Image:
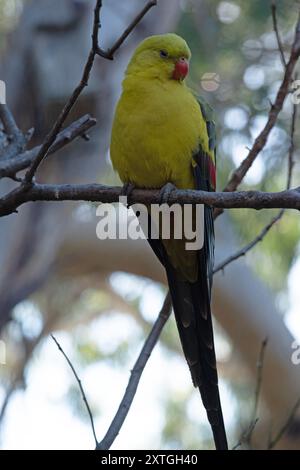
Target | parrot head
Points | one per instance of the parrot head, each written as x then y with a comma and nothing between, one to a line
164,56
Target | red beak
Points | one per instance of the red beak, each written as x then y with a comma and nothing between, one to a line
181,69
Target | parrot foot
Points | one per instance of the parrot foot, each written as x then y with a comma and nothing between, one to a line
126,191
165,192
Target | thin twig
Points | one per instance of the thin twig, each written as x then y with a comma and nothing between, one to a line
285,427
259,377
275,27
15,136
247,435
135,376
8,394
244,434
243,251
8,121
291,148
109,54
80,386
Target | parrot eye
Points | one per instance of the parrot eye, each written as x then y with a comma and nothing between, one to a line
163,54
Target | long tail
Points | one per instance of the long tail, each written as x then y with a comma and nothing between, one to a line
191,304
194,323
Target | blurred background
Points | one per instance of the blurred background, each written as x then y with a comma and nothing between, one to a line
100,298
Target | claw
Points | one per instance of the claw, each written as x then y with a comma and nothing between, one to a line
165,192
126,191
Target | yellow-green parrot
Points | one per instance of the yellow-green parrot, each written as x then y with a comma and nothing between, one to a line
163,134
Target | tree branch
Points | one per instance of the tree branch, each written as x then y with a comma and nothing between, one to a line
247,435
288,199
9,167
15,136
285,427
135,376
80,386
244,434
275,27
109,54
259,377
243,251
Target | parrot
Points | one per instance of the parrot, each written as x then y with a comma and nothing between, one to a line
163,137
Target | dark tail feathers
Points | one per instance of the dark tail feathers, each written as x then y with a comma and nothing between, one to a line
191,303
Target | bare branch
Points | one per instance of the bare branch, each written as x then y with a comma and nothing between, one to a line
292,148
133,383
109,54
247,435
259,376
8,394
80,386
243,251
288,199
135,376
285,427
275,27
244,434
8,121
8,168
15,136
